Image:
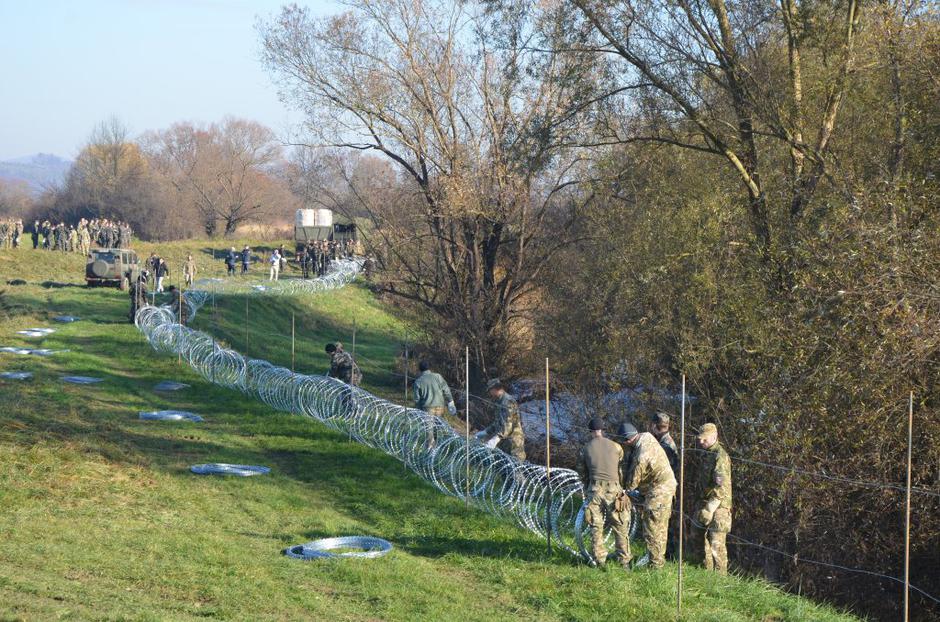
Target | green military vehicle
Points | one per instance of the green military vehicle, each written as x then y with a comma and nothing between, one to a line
112,267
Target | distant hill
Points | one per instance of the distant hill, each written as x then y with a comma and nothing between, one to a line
38,171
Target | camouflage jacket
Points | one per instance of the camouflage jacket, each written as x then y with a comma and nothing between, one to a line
507,423
343,367
649,470
431,391
715,477
672,452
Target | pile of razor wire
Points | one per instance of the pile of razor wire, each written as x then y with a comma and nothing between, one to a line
465,468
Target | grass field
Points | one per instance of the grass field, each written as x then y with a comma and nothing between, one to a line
101,519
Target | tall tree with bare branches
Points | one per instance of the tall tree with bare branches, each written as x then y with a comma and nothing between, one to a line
483,140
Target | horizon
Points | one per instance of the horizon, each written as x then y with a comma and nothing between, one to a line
78,65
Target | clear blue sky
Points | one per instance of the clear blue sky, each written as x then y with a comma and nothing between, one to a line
66,65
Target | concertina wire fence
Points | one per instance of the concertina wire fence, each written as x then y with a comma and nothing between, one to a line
489,479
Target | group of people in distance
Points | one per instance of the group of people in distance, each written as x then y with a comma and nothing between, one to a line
276,260
67,238
157,269
314,257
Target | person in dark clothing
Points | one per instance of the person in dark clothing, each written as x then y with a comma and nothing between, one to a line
138,293
230,260
324,260
246,259
304,266
35,235
152,262
162,272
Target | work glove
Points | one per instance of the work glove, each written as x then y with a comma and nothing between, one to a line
452,408
706,514
493,442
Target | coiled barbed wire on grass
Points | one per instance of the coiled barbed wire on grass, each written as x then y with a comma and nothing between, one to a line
487,478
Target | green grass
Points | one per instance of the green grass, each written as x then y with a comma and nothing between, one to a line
101,519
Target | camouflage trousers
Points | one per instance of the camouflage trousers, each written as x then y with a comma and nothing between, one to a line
437,411
655,518
713,538
514,447
599,511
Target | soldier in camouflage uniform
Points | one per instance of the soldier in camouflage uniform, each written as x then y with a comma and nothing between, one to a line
713,519
599,467
506,430
189,270
17,233
84,241
659,427
649,473
342,365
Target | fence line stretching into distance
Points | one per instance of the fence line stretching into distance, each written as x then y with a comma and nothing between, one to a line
497,483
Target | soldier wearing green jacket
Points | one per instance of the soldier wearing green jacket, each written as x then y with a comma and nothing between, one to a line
506,430
432,395
650,473
713,519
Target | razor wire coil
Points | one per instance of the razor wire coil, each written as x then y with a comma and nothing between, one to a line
489,479
494,482
369,548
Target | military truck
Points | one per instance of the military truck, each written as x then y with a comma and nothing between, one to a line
112,267
321,225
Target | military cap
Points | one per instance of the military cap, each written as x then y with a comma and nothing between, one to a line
627,430
596,423
661,419
707,430
495,383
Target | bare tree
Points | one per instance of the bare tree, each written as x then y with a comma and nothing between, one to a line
222,170
109,179
480,137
